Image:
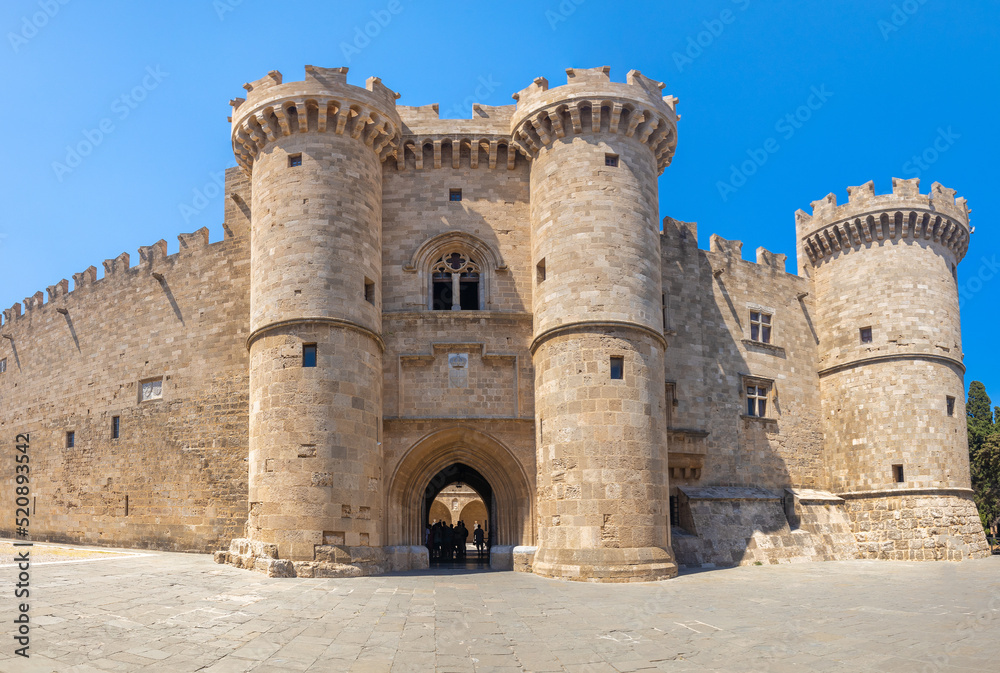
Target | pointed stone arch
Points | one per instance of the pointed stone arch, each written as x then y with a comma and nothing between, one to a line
488,258
513,490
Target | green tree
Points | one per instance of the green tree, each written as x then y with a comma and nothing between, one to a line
984,453
986,480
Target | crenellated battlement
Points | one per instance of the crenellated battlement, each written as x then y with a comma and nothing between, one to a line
428,141
590,102
323,103
868,217
151,258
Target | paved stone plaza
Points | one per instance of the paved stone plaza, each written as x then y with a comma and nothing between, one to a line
182,612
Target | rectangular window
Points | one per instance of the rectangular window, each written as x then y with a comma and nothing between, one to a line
308,355
468,291
442,292
540,271
369,291
951,405
70,439
115,426
617,367
294,160
760,327
151,390
611,160
455,195
757,400
3,365
675,518
897,473
866,335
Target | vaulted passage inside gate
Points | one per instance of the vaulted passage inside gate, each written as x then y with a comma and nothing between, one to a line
451,540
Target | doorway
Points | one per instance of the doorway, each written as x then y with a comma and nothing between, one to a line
451,541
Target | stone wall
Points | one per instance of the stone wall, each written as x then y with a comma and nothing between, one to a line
176,477
915,526
708,296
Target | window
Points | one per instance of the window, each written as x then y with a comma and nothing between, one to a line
951,405
760,327
897,473
294,160
70,439
115,427
611,160
308,355
540,271
757,400
675,517
617,367
455,195
866,335
151,390
455,283
3,365
369,291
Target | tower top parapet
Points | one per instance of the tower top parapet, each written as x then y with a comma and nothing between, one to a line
590,102
867,216
322,102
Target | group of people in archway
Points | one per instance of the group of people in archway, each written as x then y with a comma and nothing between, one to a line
448,542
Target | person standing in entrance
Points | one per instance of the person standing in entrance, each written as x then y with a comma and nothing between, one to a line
461,539
478,538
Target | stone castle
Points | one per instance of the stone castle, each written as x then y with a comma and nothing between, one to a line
402,303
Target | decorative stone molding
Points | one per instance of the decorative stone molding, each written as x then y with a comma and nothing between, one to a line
323,103
591,103
906,214
483,150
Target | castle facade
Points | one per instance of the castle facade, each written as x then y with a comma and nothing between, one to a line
403,302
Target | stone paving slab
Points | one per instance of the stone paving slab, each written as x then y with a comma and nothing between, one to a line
182,612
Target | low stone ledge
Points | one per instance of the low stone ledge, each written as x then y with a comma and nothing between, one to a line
523,558
502,557
406,557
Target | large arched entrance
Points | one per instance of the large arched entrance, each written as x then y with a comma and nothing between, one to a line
474,457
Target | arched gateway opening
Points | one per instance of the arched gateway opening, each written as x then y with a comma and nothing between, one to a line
450,545
460,454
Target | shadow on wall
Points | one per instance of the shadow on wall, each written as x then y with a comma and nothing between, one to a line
745,450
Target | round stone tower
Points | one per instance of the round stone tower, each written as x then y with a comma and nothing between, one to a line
314,152
884,270
597,148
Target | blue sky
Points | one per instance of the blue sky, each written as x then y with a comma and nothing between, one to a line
148,85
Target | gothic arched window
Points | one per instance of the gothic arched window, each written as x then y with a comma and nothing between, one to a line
455,283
